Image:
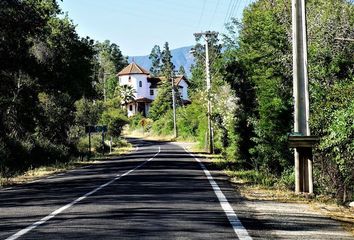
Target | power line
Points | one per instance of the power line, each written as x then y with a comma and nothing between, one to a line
213,16
236,9
201,14
231,10
227,12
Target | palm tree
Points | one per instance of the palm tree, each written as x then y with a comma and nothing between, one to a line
125,93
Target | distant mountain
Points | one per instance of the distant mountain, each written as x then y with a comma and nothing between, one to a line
180,57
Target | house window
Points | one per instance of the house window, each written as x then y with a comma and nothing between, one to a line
140,83
129,79
151,92
130,107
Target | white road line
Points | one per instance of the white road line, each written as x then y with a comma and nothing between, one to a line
239,229
56,212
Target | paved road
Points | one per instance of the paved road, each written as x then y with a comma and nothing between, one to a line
157,192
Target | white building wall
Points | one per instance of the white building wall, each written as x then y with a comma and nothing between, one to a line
155,93
140,92
133,111
184,93
143,91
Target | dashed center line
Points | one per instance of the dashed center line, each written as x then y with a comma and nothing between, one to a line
56,212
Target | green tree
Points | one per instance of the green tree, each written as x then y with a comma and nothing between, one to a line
115,119
197,80
45,68
163,101
181,71
258,63
109,60
260,53
155,57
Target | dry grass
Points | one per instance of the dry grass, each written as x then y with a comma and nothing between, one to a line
147,136
323,204
44,171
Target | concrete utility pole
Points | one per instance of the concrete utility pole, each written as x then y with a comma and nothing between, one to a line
206,35
174,108
303,142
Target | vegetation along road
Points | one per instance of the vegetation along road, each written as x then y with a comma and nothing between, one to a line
159,191
265,87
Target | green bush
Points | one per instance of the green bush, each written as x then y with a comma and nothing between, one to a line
164,125
255,177
115,120
134,121
287,179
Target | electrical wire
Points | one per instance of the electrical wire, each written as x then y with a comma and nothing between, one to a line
201,14
213,16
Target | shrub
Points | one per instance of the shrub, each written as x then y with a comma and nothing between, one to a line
115,119
287,179
134,121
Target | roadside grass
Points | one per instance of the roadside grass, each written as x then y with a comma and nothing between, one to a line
254,185
149,135
60,167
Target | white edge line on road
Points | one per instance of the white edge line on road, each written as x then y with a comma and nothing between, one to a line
59,210
239,229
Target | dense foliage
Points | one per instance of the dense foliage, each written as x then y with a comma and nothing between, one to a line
252,94
258,64
45,69
163,101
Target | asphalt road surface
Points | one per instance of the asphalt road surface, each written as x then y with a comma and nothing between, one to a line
159,191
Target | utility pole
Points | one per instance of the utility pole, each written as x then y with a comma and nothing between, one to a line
174,107
206,35
301,140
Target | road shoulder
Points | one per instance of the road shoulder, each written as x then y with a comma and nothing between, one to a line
267,218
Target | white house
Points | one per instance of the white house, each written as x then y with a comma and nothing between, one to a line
146,88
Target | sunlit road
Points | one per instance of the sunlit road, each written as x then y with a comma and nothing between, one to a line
159,191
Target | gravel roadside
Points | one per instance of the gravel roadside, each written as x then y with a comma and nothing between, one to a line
271,219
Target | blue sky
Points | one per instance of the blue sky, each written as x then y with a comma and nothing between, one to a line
137,25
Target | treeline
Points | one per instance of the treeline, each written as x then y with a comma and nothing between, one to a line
51,85
252,94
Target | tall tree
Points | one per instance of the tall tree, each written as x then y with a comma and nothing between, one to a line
155,57
163,101
258,66
181,71
198,68
167,68
44,68
109,61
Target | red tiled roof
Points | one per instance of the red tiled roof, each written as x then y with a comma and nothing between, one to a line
133,68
